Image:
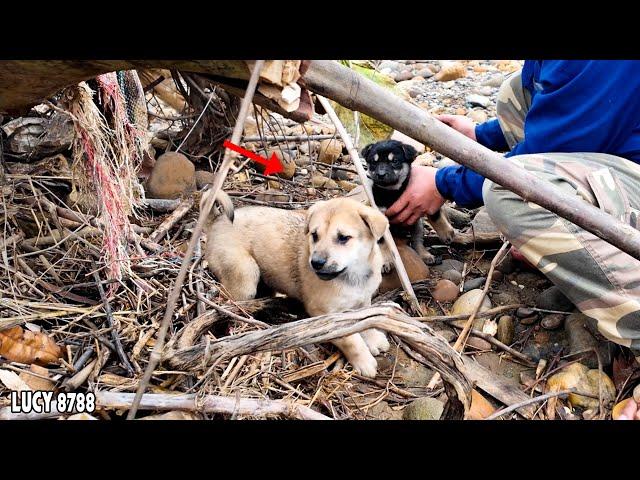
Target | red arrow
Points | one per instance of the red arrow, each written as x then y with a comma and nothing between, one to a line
273,165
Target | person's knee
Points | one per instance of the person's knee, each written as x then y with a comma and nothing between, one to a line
498,201
507,93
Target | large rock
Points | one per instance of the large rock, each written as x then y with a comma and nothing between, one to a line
172,176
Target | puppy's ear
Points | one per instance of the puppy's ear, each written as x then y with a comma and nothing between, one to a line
310,212
375,220
365,151
409,152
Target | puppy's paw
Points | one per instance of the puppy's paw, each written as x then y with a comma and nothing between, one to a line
447,235
376,341
364,364
387,267
430,259
433,260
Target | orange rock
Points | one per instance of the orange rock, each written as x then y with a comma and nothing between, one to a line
481,408
416,269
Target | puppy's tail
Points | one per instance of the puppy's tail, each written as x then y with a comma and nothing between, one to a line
223,202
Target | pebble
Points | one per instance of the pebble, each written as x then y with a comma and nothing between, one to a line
552,321
584,380
425,408
529,320
330,150
478,100
449,264
485,90
478,116
506,329
524,312
320,181
479,343
425,73
448,335
451,71
445,291
474,283
553,299
466,304
452,275
494,81
302,161
404,75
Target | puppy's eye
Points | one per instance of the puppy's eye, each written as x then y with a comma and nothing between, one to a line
314,236
343,238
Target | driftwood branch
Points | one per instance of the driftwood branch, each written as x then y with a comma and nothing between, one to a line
210,403
389,317
348,88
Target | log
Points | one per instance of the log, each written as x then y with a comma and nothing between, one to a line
26,83
210,403
353,91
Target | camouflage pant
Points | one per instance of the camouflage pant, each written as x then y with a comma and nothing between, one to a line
602,281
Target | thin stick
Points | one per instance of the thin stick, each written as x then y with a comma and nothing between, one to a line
494,341
287,138
210,403
539,399
172,219
227,161
486,313
224,311
355,157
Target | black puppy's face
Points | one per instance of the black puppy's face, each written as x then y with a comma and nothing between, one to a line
389,162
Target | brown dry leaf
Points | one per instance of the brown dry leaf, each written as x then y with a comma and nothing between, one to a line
18,345
481,408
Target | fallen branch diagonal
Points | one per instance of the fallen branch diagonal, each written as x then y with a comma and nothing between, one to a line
386,316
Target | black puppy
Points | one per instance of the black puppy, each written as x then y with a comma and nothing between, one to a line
389,165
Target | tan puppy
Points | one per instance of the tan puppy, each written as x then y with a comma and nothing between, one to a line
328,257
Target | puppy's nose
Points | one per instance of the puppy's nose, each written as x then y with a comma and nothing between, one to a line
318,262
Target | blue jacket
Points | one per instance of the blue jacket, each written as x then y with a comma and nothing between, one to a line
576,106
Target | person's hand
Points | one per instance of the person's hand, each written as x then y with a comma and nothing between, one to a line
462,124
419,198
